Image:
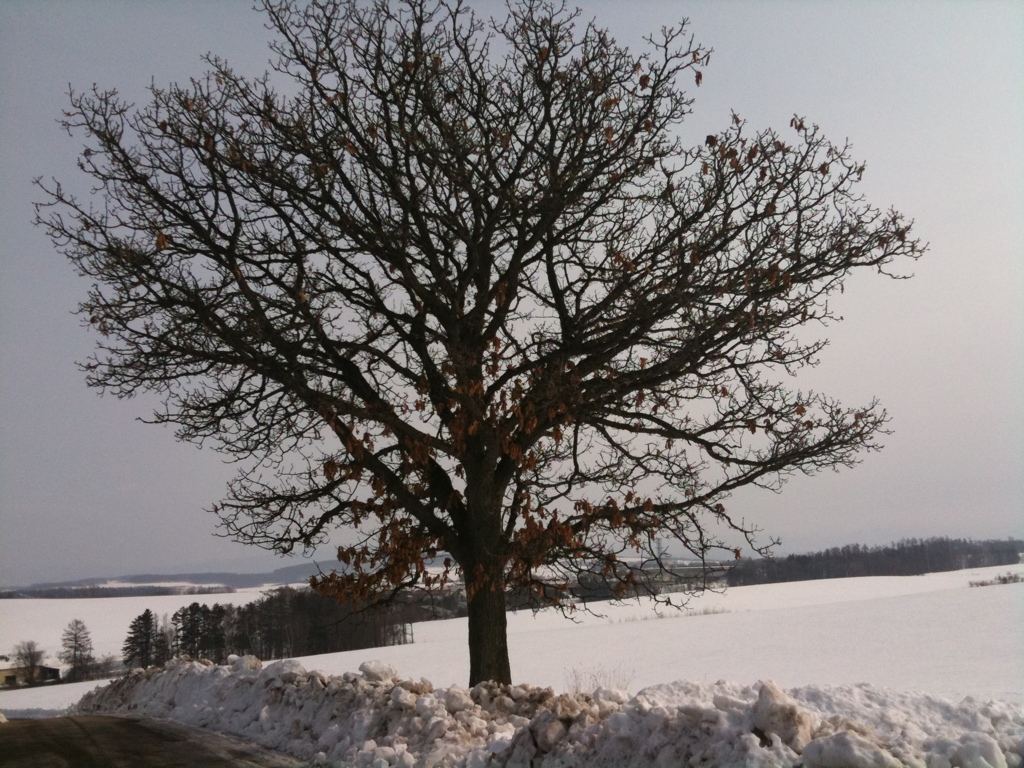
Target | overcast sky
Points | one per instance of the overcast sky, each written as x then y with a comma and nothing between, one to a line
931,95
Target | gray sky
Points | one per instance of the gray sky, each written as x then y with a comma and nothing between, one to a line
931,94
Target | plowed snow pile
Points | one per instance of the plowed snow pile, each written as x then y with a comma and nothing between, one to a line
375,719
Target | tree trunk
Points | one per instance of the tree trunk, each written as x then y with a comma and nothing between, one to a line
488,636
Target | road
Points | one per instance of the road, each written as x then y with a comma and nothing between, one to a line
115,742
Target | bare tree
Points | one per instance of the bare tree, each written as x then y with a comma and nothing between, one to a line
77,652
29,656
461,287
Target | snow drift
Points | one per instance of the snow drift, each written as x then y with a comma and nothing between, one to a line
375,719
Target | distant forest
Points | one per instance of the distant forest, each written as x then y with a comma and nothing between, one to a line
909,557
283,623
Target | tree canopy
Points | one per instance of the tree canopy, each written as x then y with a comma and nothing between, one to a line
461,286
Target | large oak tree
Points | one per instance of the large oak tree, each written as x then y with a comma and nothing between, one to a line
460,287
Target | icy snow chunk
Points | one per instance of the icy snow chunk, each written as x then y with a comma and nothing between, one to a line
847,750
457,699
378,672
499,744
729,703
612,695
475,726
402,698
566,706
518,692
286,671
427,706
243,663
503,704
436,728
974,750
331,736
266,719
776,713
620,724
548,730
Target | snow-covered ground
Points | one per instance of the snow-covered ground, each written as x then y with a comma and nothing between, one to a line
848,652
46,700
929,633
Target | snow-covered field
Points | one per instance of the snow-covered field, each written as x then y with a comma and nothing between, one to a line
869,671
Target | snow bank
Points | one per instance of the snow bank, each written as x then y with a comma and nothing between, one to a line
375,719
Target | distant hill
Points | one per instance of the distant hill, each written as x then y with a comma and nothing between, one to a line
150,583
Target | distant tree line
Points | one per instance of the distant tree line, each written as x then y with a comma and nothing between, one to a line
96,590
908,557
283,623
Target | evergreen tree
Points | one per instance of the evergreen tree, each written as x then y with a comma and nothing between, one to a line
139,645
190,628
164,640
214,641
76,651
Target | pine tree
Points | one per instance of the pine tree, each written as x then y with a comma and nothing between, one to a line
163,641
190,626
139,645
76,651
